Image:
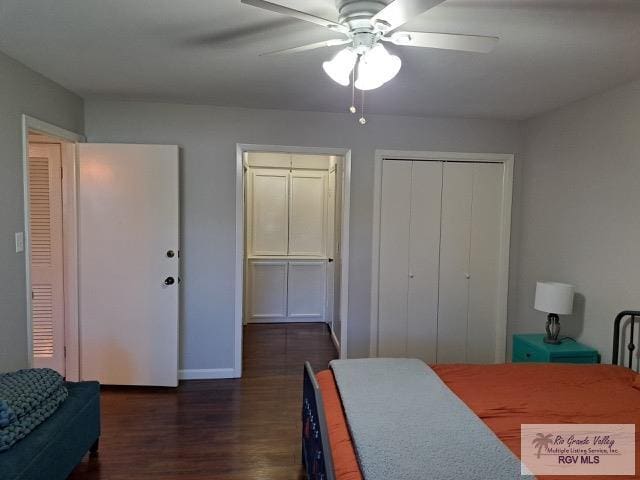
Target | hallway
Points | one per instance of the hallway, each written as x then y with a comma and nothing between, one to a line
241,429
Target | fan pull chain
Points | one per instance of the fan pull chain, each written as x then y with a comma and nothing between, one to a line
352,108
362,120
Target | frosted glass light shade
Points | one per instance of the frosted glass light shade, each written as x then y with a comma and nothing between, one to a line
376,68
339,68
554,297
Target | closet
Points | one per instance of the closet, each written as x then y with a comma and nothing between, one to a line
440,252
290,217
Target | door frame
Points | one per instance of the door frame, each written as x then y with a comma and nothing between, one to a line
241,149
505,234
68,141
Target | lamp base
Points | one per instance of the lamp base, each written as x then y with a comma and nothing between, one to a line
553,329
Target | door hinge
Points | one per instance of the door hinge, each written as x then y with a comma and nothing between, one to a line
65,352
61,173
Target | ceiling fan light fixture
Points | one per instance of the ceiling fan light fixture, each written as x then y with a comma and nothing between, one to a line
376,68
339,68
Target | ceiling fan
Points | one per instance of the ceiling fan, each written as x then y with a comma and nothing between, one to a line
366,24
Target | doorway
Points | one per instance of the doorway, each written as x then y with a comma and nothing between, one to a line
49,243
292,239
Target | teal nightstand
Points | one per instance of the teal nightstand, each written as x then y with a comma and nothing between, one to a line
530,348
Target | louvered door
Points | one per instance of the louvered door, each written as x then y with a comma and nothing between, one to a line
45,243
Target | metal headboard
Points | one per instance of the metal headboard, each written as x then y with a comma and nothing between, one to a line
634,315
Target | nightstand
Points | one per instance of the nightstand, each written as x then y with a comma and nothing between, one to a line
530,348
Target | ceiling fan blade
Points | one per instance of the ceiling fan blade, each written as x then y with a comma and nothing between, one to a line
310,46
307,17
445,41
399,12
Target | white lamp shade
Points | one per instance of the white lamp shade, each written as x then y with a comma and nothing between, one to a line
376,67
554,297
341,66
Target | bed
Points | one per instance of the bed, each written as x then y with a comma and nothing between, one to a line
503,396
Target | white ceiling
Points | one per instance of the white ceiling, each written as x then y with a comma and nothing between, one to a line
551,52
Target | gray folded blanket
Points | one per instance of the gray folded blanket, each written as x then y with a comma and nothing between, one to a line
27,398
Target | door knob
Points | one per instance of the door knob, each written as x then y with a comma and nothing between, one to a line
169,281
171,254
330,260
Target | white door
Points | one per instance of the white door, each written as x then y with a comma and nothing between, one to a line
470,258
424,261
47,274
454,262
267,291
268,214
128,263
307,213
395,218
409,259
306,291
484,262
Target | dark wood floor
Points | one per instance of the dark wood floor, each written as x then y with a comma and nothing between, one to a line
217,429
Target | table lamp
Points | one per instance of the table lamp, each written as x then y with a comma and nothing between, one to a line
555,299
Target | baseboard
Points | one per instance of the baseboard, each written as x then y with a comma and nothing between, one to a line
206,374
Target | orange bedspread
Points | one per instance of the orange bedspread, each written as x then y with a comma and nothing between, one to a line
505,396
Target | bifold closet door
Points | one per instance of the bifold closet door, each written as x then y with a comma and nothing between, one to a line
469,260
408,270
393,286
484,262
424,259
455,239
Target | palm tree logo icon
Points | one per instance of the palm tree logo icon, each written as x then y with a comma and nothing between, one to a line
541,441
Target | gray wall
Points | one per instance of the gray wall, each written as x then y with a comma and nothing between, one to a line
208,136
21,91
580,213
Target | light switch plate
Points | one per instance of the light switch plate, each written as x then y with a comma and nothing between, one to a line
19,242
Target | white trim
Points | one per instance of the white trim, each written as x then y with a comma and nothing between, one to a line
335,341
206,373
239,270
70,258
241,148
31,123
69,240
505,235
345,204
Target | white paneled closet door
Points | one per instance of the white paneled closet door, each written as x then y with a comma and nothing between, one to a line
469,255
424,260
306,291
484,261
393,287
268,290
457,183
307,208
439,258
269,212
409,245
